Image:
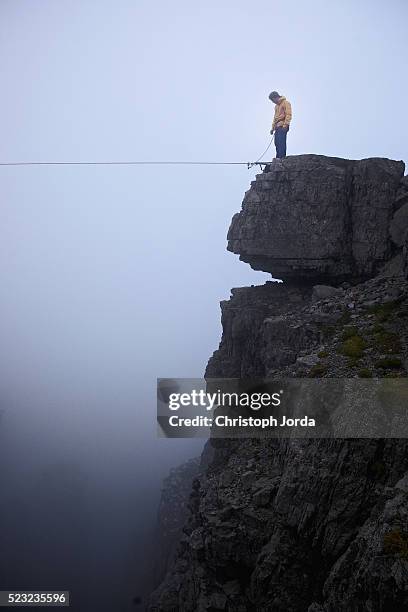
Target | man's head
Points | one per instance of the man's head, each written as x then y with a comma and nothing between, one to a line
274,97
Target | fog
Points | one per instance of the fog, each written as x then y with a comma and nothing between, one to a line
96,304
112,276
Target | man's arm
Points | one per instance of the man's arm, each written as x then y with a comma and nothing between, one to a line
274,121
288,114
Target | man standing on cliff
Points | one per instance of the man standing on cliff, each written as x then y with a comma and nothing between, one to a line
281,122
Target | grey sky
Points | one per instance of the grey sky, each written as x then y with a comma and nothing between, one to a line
112,276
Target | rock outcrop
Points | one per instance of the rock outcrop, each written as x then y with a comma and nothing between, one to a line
313,218
303,525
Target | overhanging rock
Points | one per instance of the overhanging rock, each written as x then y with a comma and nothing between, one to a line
311,218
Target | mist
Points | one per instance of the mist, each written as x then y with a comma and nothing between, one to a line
112,276
94,308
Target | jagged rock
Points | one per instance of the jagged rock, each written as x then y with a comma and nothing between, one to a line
375,565
307,360
318,218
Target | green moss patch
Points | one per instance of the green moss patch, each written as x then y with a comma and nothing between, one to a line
353,347
365,373
388,363
349,332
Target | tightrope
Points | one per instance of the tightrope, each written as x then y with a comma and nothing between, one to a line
112,163
139,162
127,163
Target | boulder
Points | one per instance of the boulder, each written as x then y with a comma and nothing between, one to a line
313,218
322,292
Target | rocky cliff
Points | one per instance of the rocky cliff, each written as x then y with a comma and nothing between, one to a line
294,524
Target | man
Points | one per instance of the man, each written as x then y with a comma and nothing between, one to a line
281,122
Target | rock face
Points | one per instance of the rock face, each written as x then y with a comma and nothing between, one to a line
303,525
312,218
173,512
275,330
254,335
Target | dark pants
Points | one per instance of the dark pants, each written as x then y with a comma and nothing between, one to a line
280,141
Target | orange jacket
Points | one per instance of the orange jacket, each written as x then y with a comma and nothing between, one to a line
283,113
